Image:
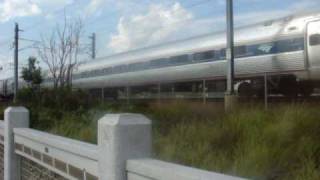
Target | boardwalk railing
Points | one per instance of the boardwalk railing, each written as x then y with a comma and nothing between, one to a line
123,152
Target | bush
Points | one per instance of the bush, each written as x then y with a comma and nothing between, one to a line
64,98
28,96
49,107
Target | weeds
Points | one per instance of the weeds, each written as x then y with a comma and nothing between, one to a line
281,143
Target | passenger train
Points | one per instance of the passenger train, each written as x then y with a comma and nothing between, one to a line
287,50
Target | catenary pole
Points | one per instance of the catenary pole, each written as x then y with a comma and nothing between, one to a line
16,59
230,48
93,45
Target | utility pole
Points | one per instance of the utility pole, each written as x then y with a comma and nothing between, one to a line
230,97
16,58
93,45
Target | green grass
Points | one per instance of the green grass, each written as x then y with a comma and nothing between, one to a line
281,143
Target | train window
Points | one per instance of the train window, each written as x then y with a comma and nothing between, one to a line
77,76
88,74
240,51
222,54
107,71
99,72
119,69
204,56
178,60
290,45
158,63
297,44
314,40
93,73
84,74
137,66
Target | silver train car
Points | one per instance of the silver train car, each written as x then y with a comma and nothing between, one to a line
287,50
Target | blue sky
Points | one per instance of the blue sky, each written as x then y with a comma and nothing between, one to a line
122,25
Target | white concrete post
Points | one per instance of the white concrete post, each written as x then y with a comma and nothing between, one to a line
122,137
14,117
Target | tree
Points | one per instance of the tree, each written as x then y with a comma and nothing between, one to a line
61,50
32,73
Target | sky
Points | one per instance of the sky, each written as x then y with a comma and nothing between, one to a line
123,25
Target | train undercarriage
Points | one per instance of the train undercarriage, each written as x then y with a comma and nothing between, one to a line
284,85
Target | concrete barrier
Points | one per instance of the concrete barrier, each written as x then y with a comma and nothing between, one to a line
1,149
151,169
122,137
123,152
13,118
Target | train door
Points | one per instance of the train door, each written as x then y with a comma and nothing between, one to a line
313,43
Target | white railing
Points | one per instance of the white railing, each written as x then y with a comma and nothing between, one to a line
123,152
1,132
150,169
68,158
1,149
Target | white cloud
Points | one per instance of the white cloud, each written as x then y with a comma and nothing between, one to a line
52,3
95,5
10,9
163,23
304,5
127,7
153,27
17,8
51,9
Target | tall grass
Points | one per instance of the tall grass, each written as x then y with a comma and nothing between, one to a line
280,143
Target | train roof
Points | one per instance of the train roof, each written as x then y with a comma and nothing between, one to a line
287,26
